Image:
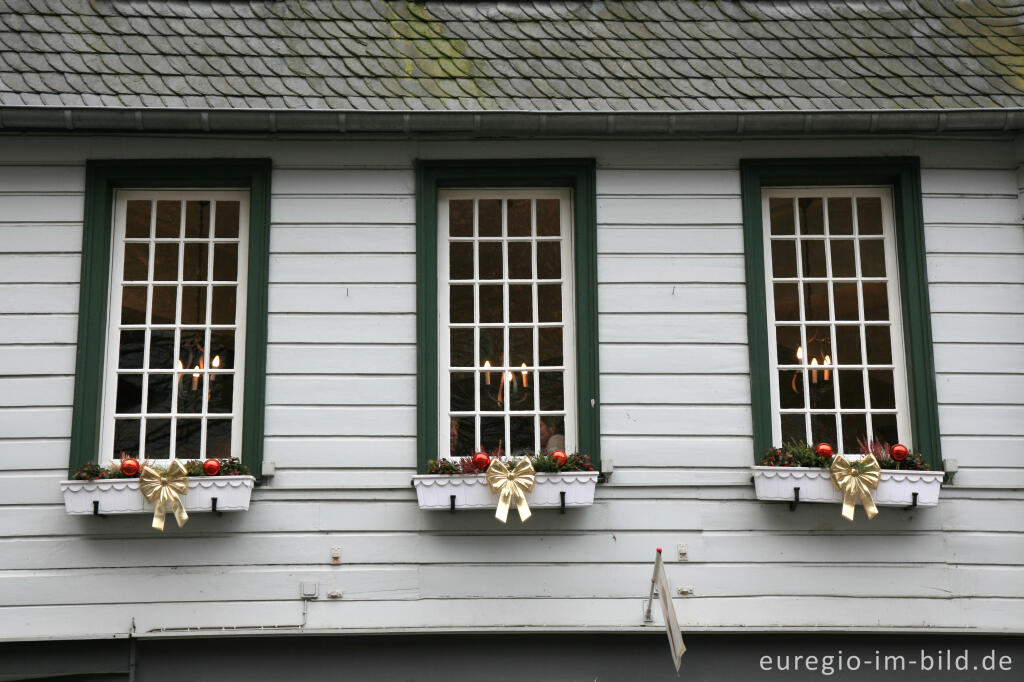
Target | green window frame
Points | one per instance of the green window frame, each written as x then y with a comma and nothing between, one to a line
574,174
903,175
103,178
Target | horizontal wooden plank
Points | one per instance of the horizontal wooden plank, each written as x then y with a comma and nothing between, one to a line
668,210
36,487
974,239
34,453
38,298
674,239
673,358
341,451
345,479
675,389
34,268
969,267
41,238
340,421
333,209
38,391
28,328
644,268
676,298
963,357
349,268
31,359
984,451
689,420
992,420
35,422
28,178
971,210
345,239
976,298
340,328
676,451
643,182
32,207
291,359
990,478
343,181
338,390
342,298
977,328
985,389
696,328
961,181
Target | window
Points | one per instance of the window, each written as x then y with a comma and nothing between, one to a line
840,340
176,328
506,305
172,322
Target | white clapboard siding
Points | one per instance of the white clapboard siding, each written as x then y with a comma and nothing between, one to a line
341,398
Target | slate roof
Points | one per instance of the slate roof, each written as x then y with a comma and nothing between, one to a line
651,57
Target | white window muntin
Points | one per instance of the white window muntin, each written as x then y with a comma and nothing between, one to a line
891,278
114,326
566,281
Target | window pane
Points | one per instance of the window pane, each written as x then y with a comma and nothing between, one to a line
461,347
158,438
854,426
190,349
227,220
811,219
492,346
460,260
221,393
884,426
490,217
551,397
843,263
126,436
190,392
876,301
197,219
136,261
549,260
783,258
823,428
519,217
158,398
165,264
187,440
521,346
520,303
550,346
133,305
520,260
791,389
840,216
813,258
460,303
161,349
196,262
137,220
131,348
549,219
492,435
846,301
164,302
168,219
869,215
522,437
491,304
872,257
223,305
460,218
879,344
491,266
492,390
519,398
851,389
816,301
781,212
787,341
462,392
218,439
549,302
222,349
786,302
793,427
225,262
193,305
461,437
129,394
822,394
847,345
881,388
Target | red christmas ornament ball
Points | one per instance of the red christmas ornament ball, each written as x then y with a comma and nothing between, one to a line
899,452
129,466
481,460
824,450
211,467
559,457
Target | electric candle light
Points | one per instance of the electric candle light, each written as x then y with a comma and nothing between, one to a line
487,375
526,383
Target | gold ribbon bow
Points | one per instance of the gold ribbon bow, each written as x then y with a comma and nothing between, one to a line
856,480
511,486
164,490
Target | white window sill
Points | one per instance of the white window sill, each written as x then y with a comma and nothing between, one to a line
471,492
122,496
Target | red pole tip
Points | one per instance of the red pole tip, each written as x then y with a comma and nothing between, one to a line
659,550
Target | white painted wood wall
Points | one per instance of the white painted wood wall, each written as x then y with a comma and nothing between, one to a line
675,415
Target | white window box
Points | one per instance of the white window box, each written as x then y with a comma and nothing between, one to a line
471,491
896,488
122,496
